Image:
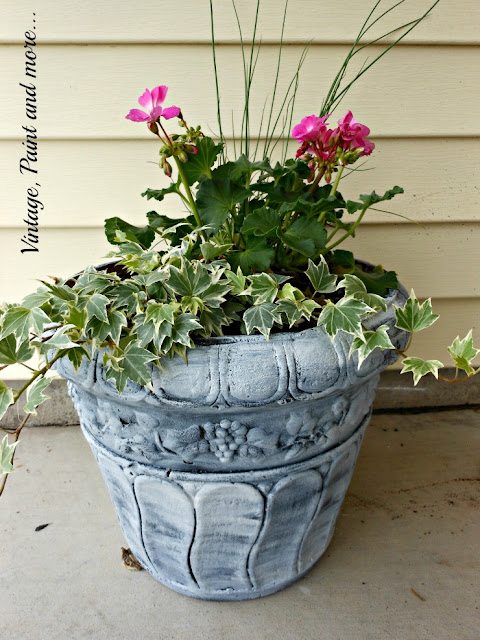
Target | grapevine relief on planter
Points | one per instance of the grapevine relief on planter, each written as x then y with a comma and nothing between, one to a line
226,439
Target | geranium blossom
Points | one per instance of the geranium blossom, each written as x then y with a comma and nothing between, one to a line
310,128
152,101
354,134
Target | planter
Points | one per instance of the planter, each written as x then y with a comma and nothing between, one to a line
228,474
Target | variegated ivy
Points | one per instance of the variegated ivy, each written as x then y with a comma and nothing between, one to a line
255,252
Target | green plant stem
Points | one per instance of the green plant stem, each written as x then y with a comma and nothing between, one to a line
337,180
350,232
191,201
38,373
16,435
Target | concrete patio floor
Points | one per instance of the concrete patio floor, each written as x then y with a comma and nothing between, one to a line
404,562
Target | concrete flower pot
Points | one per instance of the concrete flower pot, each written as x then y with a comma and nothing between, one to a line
228,474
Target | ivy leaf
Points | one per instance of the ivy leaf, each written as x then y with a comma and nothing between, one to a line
378,339
346,315
261,317
214,295
75,316
134,363
367,201
216,199
59,340
199,165
188,281
20,320
354,287
320,277
415,316
158,312
290,309
237,279
420,367
212,321
97,307
159,194
257,254
210,250
305,235
184,324
37,298
146,333
35,395
262,287
11,354
144,236
116,322
76,356
262,222
6,453
6,398
463,352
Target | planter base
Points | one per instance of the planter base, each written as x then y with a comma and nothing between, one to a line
229,536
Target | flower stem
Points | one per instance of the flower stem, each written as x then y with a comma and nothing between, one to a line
337,180
191,201
350,232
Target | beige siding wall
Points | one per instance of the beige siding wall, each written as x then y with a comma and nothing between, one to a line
94,59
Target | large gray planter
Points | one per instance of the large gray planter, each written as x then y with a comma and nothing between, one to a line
228,474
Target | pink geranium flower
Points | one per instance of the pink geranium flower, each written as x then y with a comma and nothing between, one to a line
152,101
354,134
310,128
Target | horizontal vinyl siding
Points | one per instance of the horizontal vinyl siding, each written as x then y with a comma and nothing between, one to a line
85,181
85,91
82,21
94,59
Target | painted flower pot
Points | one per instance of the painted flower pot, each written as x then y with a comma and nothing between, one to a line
228,474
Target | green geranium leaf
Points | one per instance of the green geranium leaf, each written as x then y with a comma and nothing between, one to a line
463,352
354,287
378,339
6,398
369,200
6,453
144,236
305,235
415,316
35,395
262,222
262,287
243,167
261,317
159,194
97,307
11,354
257,254
420,367
346,315
198,166
216,199
377,281
320,277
